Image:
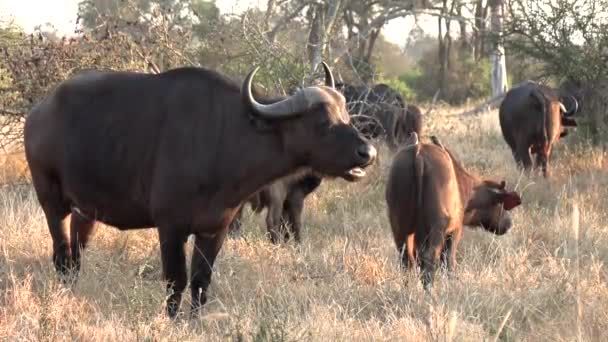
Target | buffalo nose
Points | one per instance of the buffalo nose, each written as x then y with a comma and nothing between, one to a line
367,153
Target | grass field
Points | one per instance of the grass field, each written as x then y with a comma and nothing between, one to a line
343,283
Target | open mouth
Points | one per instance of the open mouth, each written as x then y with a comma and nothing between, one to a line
357,172
354,174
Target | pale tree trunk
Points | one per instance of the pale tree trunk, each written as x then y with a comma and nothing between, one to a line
324,17
478,30
497,56
315,38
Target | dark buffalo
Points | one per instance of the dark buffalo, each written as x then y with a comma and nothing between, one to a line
430,196
380,93
395,123
532,119
284,201
413,121
181,151
381,111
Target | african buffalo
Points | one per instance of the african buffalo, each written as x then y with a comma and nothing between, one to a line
381,111
532,118
430,196
284,201
180,151
357,96
413,121
395,123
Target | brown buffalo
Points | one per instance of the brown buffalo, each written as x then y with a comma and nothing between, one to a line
532,119
430,197
181,151
284,201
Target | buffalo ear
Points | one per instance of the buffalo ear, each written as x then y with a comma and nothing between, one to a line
510,200
503,184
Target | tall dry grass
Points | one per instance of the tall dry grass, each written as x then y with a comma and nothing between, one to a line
343,282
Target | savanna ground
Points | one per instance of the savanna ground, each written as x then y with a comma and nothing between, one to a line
343,282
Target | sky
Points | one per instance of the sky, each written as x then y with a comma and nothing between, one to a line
61,14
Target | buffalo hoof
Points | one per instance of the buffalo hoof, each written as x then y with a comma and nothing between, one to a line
64,266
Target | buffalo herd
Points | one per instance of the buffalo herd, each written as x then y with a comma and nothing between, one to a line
186,149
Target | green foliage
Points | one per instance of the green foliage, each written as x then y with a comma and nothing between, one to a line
567,39
466,78
401,86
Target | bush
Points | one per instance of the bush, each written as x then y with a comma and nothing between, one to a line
467,79
400,86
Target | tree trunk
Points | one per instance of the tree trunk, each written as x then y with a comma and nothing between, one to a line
478,30
440,54
464,40
497,56
321,26
315,38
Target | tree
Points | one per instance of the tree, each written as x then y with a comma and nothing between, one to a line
321,25
364,20
569,39
497,56
179,27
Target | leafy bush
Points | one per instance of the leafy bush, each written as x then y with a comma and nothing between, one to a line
400,86
466,79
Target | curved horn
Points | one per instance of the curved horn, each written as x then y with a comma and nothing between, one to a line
562,108
286,108
575,109
329,77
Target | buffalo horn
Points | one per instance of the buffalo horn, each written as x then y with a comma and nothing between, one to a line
286,108
329,77
563,108
575,109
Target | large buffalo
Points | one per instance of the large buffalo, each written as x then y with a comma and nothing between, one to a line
430,196
532,119
284,201
181,151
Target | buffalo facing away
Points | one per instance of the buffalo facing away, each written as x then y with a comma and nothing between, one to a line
180,151
532,119
430,196
284,201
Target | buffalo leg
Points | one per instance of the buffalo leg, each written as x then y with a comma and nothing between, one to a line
80,231
522,157
432,243
205,251
406,249
274,222
235,225
541,162
294,214
448,254
403,254
445,252
55,208
174,266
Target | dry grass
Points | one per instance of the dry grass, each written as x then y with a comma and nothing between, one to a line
344,281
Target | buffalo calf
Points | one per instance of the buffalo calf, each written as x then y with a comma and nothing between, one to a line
284,200
430,197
